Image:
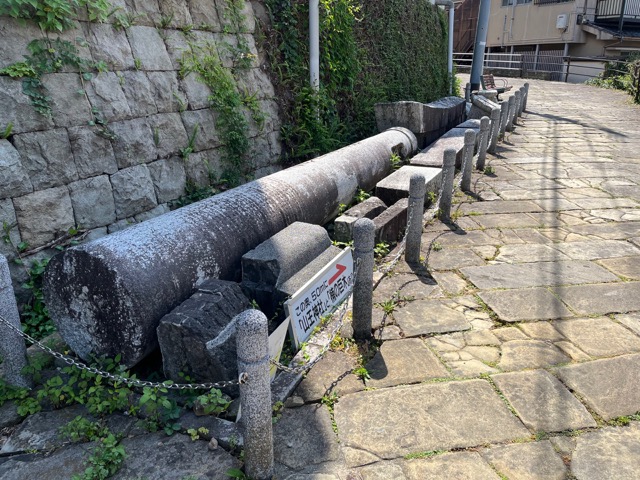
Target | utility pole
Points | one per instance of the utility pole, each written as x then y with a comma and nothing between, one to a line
480,43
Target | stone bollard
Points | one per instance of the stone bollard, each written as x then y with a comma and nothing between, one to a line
448,174
522,94
363,243
526,96
511,113
518,95
467,159
484,141
252,343
417,192
504,116
12,348
495,130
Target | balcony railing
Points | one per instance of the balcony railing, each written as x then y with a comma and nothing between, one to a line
617,11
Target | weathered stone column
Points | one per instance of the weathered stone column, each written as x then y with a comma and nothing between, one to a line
512,113
448,174
484,141
518,95
526,96
467,159
417,192
108,296
504,116
363,243
12,348
522,95
252,343
495,130
467,92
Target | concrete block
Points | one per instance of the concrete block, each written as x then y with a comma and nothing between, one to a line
343,226
92,201
205,316
44,215
14,179
133,191
93,153
396,186
47,157
392,222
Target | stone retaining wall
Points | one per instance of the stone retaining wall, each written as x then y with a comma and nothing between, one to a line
61,172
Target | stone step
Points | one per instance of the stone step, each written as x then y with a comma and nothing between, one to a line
390,223
396,186
343,226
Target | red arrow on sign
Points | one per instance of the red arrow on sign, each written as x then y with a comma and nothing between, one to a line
341,268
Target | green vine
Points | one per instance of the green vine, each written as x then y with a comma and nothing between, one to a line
370,52
55,15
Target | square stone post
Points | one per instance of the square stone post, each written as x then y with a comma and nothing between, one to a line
484,141
504,116
467,159
417,192
12,347
363,243
526,96
495,130
448,174
252,344
511,114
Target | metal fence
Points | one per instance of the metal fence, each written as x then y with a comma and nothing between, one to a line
548,64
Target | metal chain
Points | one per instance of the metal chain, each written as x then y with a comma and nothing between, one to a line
133,382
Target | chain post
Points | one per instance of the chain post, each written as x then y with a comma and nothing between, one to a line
526,96
417,192
363,243
511,114
484,140
495,130
12,347
518,96
504,116
467,159
252,344
448,174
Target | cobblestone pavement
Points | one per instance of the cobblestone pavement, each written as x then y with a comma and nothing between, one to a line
514,354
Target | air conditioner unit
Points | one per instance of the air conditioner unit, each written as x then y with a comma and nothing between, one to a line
562,21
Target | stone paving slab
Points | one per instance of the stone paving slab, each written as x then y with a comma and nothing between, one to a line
426,417
611,387
521,354
499,207
597,249
599,337
628,267
609,453
542,402
504,220
601,299
424,317
527,461
459,465
408,285
537,274
401,362
525,304
330,375
450,259
529,253
610,230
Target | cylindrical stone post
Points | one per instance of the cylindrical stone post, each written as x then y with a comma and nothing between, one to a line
467,159
252,344
363,242
518,95
511,113
12,347
417,192
484,141
522,94
526,96
504,116
448,174
467,92
495,130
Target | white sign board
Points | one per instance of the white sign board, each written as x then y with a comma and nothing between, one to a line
276,342
320,295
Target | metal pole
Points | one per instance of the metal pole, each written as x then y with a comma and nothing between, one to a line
417,192
363,243
314,43
480,44
621,22
450,53
252,345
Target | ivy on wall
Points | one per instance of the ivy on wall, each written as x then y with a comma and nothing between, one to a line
370,52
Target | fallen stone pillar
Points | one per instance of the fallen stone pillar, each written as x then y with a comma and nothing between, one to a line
107,297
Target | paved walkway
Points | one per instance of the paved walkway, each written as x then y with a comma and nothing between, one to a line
516,353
